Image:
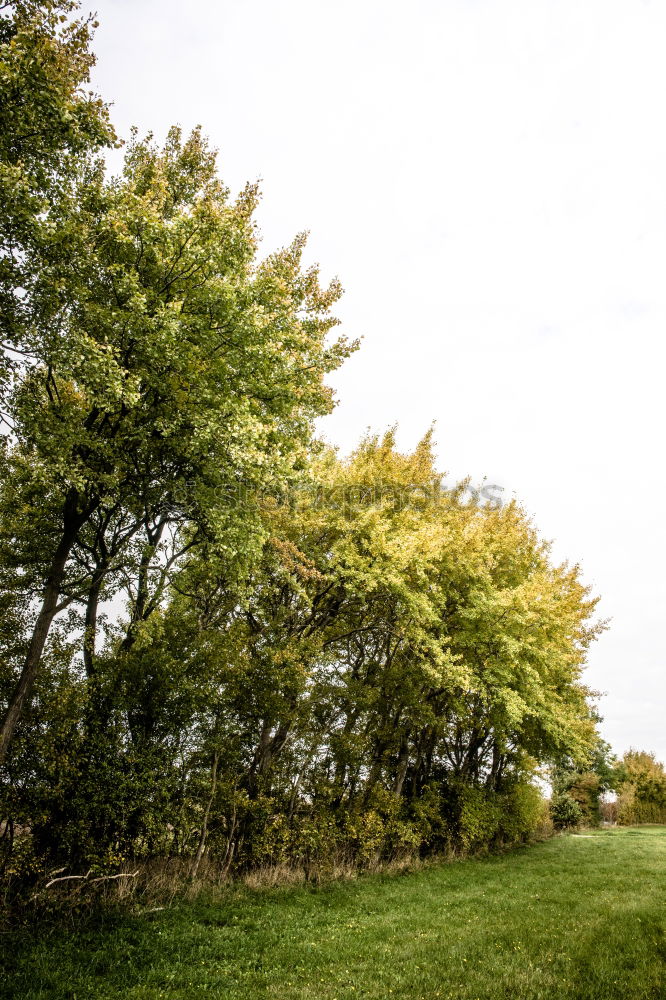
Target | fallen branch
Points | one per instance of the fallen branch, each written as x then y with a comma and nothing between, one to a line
106,878
66,878
84,878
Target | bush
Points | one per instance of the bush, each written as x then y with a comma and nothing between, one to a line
524,813
566,812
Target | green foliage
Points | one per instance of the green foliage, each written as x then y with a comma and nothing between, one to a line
641,789
169,372
566,811
49,125
480,817
583,781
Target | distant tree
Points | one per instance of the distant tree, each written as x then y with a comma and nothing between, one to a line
641,789
583,782
566,811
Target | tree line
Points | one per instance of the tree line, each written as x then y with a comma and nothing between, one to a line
220,639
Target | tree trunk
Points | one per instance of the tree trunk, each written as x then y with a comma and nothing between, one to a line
204,825
401,770
40,632
90,634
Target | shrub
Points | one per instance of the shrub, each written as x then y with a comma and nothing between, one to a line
566,812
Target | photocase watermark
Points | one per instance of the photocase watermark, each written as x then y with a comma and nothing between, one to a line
351,496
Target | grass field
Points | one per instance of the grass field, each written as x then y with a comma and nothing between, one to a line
578,916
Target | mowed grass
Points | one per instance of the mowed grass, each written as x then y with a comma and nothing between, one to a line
578,916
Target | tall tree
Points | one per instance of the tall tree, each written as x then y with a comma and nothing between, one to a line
169,369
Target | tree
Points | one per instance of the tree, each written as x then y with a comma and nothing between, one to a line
641,786
566,811
583,780
48,125
168,370
386,673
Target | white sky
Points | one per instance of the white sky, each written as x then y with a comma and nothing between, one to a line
488,179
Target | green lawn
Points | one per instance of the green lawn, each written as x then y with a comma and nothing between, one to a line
578,916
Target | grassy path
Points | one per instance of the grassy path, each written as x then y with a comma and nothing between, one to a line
579,917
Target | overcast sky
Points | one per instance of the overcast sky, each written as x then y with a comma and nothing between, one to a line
488,180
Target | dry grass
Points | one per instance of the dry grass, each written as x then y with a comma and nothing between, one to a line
160,882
